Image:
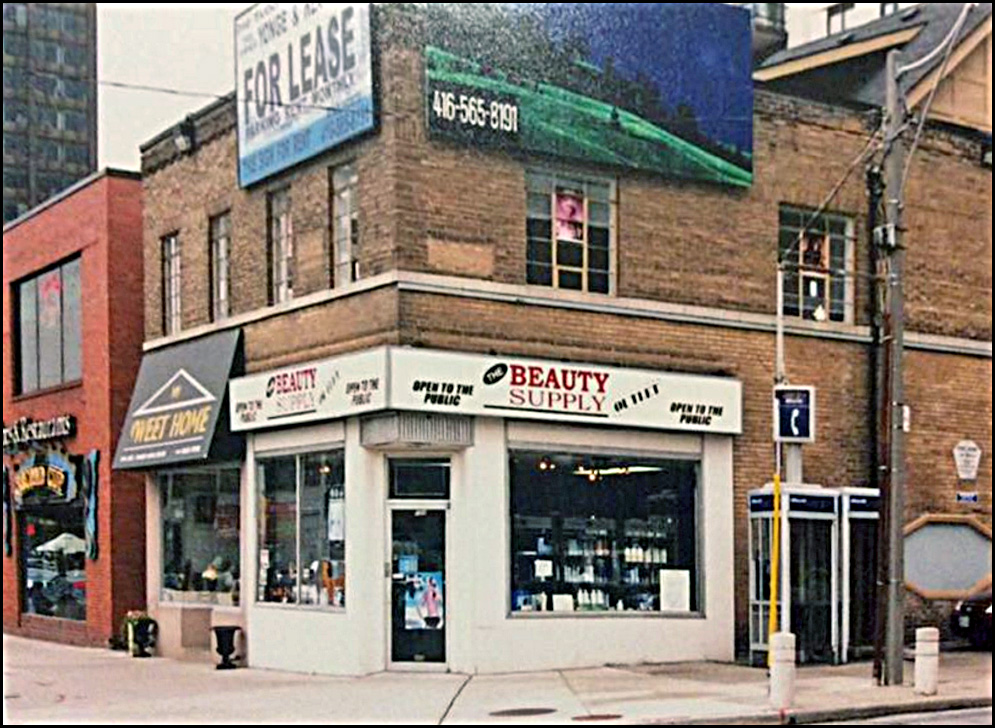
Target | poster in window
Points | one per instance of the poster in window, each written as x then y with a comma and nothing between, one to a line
675,590
424,602
50,299
569,216
336,520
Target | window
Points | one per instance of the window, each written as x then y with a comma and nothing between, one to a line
220,241
345,225
53,567
200,536
281,247
50,328
836,17
816,265
419,479
888,8
171,281
302,529
603,533
569,232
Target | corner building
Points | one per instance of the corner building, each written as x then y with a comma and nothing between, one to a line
427,440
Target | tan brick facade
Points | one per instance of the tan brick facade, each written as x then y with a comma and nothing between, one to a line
432,208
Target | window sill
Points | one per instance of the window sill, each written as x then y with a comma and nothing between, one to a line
288,607
34,393
606,614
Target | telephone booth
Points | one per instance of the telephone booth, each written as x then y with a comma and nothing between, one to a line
859,515
809,588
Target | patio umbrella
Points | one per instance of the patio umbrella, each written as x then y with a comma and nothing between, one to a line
67,543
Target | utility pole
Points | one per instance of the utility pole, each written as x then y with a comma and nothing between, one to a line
893,240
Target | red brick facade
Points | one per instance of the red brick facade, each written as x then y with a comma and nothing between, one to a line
100,221
442,264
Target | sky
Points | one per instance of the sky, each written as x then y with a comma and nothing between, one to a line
178,46
184,47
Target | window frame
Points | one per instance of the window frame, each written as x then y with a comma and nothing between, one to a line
261,583
535,179
792,256
698,580
280,245
17,298
171,270
219,263
343,251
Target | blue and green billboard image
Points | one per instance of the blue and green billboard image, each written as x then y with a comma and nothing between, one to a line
664,88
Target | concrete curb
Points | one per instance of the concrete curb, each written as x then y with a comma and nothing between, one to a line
804,717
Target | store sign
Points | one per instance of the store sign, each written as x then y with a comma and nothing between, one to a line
534,389
664,88
467,384
310,392
26,432
176,402
967,458
304,82
45,478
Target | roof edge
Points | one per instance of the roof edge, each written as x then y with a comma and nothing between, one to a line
115,172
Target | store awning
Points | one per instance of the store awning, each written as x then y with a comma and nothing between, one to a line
179,411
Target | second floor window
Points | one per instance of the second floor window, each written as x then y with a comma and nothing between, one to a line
49,328
569,232
345,225
220,241
281,247
816,255
171,310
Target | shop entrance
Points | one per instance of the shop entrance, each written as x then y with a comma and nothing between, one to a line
418,584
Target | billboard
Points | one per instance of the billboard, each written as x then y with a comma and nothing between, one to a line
303,80
664,88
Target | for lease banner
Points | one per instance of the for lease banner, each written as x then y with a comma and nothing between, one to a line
304,82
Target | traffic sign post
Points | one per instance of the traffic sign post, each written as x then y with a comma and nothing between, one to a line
794,414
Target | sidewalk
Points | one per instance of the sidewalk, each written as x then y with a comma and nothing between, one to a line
50,683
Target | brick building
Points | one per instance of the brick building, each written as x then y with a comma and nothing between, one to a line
410,272
74,552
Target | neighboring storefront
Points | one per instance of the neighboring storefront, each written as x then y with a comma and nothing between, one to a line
73,532
412,507
177,433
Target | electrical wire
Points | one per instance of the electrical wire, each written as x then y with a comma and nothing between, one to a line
949,43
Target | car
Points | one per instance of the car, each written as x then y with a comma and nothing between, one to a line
972,619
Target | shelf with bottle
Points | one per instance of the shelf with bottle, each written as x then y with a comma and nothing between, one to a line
637,553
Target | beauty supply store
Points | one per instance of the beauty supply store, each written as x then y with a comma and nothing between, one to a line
423,509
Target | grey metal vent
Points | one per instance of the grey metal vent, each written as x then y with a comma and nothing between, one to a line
416,430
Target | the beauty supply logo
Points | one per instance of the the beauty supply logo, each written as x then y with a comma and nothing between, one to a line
293,392
552,388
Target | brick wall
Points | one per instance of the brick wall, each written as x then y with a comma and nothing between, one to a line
101,222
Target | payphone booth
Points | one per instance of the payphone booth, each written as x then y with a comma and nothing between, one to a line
809,588
859,514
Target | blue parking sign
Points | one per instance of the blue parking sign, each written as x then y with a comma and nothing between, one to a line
794,414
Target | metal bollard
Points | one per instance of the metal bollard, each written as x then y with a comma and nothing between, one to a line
927,660
782,670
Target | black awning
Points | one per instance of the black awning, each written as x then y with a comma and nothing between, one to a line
179,410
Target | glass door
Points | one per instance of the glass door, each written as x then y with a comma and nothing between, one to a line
418,586
812,589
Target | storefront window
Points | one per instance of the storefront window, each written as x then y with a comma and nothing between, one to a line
200,531
302,529
603,533
54,562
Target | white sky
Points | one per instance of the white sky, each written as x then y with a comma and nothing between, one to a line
171,45
177,46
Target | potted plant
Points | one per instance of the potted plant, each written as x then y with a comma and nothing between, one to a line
139,632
